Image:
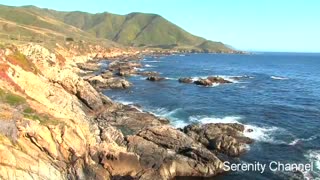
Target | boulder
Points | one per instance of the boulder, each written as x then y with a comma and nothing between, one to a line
89,66
155,78
185,80
219,80
128,118
114,83
203,82
88,95
117,65
225,138
240,77
173,153
126,71
107,74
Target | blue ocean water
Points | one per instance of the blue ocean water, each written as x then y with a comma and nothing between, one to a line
276,94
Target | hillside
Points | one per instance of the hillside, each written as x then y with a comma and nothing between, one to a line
134,29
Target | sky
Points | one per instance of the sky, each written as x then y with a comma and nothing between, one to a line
254,25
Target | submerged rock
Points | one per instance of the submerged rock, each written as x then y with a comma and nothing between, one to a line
209,81
186,80
219,80
126,72
203,82
155,78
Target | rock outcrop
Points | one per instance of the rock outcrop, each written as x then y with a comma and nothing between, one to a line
110,82
209,81
219,80
171,153
58,126
124,68
92,66
130,119
155,78
203,82
186,80
224,138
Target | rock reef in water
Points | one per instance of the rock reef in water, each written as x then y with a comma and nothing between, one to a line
155,78
186,80
60,127
209,81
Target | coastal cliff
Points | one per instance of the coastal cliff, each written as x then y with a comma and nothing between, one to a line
55,124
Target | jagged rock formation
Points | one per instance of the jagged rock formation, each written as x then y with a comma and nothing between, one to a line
56,125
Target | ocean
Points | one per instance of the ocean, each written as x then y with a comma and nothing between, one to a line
275,94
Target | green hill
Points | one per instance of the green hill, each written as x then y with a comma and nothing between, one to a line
134,29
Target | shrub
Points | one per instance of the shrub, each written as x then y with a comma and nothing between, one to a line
28,110
69,39
11,99
14,100
20,60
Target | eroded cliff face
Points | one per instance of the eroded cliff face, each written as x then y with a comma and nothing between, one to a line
55,125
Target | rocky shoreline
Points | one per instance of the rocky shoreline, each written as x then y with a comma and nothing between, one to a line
88,136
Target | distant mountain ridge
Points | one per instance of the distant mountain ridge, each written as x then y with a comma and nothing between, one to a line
134,29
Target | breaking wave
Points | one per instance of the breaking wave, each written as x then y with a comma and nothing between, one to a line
259,133
278,78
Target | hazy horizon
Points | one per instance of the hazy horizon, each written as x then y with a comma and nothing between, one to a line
262,26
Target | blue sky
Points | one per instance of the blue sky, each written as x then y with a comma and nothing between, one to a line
260,25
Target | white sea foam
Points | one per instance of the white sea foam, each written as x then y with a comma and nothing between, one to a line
314,156
278,78
165,113
178,123
259,133
124,102
262,134
294,142
212,119
152,61
233,79
139,69
170,78
148,65
229,78
204,77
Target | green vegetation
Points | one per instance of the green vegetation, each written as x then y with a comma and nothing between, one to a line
2,46
43,119
209,45
10,98
2,93
19,59
135,29
28,110
14,100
